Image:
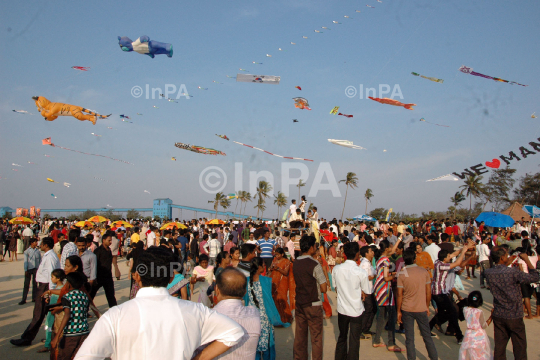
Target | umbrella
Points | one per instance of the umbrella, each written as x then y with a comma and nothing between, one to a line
98,219
84,223
173,224
364,218
532,210
21,220
215,222
120,223
495,219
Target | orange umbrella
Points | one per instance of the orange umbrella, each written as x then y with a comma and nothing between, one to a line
120,223
84,223
215,222
173,224
21,220
98,219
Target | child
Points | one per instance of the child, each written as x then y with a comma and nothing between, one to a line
74,326
57,277
476,342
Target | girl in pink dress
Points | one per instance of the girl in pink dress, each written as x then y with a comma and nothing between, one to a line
475,344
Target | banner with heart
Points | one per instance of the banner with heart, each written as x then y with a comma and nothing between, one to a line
495,163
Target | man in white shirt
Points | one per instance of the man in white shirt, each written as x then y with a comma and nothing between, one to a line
483,258
292,208
135,329
49,262
89,260
27,235
432,249
151,238
230,291
70,248
351,283
370,304
213,247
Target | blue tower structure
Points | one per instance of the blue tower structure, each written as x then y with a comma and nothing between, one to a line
163,208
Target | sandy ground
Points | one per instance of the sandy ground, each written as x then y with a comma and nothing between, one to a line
14,318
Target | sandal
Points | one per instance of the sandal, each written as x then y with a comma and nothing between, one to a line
396,349
379,345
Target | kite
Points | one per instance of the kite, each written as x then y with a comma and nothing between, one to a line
146,191
144,45
185,94
262,79
199,149
268,55
65,184
317,31
258,63
347,16
393,102
305,37
243,70
82,68
139,114
422,119
369,6
384,150
349,116
301,103
335,22
22,112
173,158
346,143
108,127
231,77
223,137
324,27
283,157
202,88
294,120
293,43
131,122
14,169
53,196
16,165
155,107
334,111
298,87
358,11
95,134
217,82
127,117
280,49
47,155
47,141
468,70
448,177
31,163
231,196
429,78
51,111
533,116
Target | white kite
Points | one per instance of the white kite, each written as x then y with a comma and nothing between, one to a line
16,165
262,79
346,143
146,191
67,184
22,112
448,177
533,116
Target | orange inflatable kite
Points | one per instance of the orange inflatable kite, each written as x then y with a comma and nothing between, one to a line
51,111
393,102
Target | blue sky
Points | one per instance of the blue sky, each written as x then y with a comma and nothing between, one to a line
214,39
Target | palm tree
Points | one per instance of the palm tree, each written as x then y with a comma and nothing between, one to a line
368,195
238,195
456,199
247,197
220,197
473,187
262,193
300,184
352,181
280,200
225,203
261,207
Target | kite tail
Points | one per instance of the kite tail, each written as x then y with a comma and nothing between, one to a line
409,106
90,112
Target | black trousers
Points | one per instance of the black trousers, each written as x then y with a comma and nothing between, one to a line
268,262
29,275
368,315
108,286
446,312
38,315
506,329
355,324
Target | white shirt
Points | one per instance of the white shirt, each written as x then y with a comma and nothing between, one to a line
433,251
350,280
69,249
49,262
155,325
483,252
292,209
151,239
365,265
27,232
213,247
89,261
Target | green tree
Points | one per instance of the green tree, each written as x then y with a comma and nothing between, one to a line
473,187
247,197
217,201
528,190
111,216
352,181
225,203
280,200
238,194
133,214
456,199
378,213
368,195
87,214
262,193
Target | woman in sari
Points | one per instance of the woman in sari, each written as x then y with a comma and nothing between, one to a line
259,294
326,304
202,278
178,287
281,271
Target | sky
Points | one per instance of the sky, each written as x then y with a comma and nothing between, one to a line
378,46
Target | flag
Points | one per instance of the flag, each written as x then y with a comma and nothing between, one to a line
388,214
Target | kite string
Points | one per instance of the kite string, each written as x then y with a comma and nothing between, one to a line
268,152
80,152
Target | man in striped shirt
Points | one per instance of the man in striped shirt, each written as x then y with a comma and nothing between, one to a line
267,247
445,308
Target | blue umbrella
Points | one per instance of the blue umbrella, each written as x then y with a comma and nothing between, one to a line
532,210
364,218
495,219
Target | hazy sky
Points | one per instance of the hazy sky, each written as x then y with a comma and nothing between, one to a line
380,45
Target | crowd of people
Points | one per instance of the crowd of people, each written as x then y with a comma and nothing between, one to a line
233,282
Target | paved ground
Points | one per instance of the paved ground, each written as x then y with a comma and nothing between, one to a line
15,318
